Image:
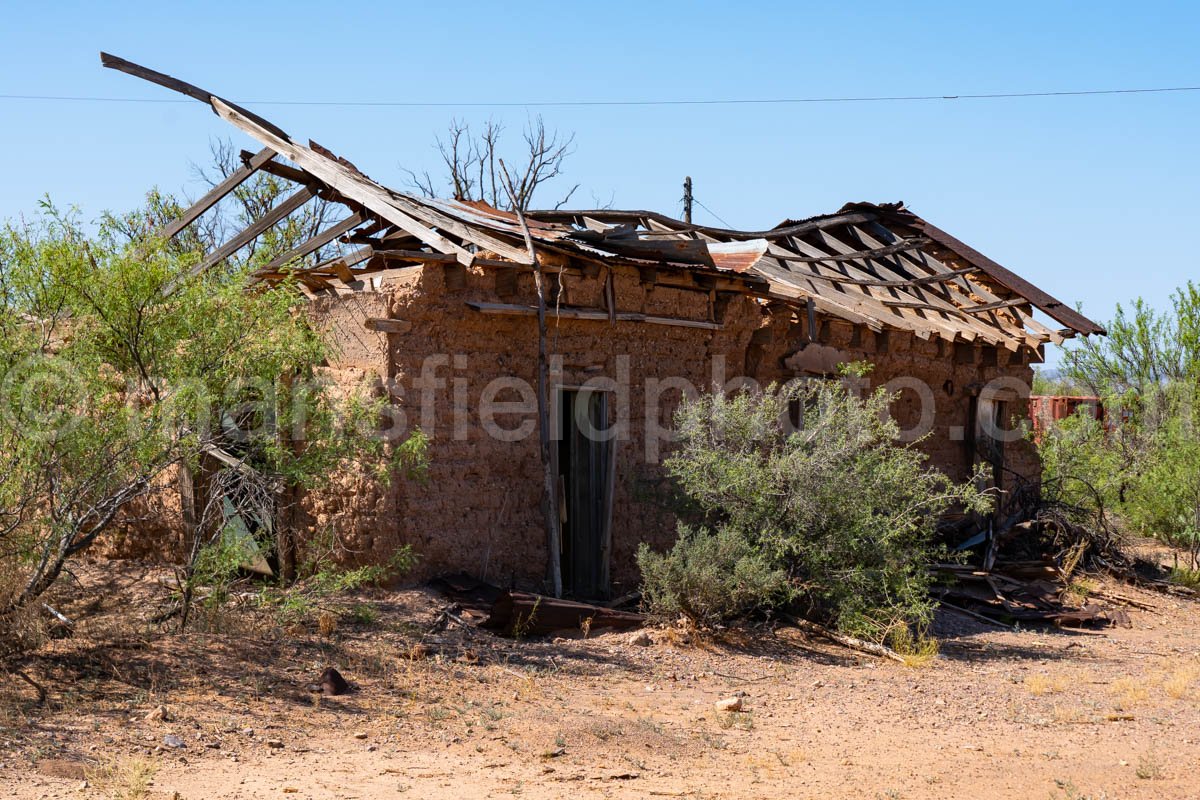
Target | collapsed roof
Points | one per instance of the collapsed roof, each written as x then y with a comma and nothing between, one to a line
876,265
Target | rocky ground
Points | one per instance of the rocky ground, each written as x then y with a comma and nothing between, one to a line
444,710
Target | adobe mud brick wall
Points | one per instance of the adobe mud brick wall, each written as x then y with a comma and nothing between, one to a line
479,511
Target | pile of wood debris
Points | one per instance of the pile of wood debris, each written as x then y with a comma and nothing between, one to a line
1029,593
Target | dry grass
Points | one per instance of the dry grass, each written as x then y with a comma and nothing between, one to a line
1040,684
916,651
123,779
1069,714
1179,683
1129,691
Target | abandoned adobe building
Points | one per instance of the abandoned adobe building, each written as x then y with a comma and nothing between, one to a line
437,299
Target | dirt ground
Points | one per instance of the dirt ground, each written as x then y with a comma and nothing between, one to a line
442,710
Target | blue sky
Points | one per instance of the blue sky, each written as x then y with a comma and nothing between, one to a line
1090,197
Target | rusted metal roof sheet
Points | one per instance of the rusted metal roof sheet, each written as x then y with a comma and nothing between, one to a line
737,256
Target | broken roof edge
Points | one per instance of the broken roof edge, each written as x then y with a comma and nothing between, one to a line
1041,299
431,221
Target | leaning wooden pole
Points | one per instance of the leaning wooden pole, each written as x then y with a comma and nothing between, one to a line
553,547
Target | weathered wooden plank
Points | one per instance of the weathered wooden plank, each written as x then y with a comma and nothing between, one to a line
446,223
912,321
964,327
965,289
350,259
183,87
214,195
316,242
898,247
883,284
1052,306
1020,301
287,173
339,178
591,314
794,286
256,229
388,325
644,217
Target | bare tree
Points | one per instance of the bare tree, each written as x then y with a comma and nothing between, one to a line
471,163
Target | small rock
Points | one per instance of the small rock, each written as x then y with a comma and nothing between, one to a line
275,744
247,731
83,786
641,639
360,735
158,714
729,704
171,740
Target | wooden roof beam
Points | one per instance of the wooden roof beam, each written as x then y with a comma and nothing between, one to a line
883,284
260,226
1052,306
255,162
337,176
922,260
968,327
315,243
901,246
915,320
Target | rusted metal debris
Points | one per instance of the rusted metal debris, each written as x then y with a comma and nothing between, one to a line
524,614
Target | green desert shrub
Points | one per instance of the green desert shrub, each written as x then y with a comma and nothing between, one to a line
711,576
835,519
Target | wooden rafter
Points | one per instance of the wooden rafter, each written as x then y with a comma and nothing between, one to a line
879,282
599,315
970,328
913,321
967,289
1014,303
235,179
256,229
904,244
316,242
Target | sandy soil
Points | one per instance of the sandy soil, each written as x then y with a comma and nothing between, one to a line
449,712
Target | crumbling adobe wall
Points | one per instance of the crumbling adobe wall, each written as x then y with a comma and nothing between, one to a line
480,510
928,374
150,527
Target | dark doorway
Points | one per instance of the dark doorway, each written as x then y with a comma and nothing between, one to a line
585,481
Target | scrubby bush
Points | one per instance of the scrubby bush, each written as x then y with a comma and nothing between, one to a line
709,577
835,519
1143,464
121,363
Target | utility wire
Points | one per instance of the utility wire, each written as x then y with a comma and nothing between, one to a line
584,103
710,211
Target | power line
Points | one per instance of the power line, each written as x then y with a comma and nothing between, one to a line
586,103
709,210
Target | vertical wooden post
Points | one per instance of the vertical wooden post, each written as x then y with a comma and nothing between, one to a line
550,480
687,199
